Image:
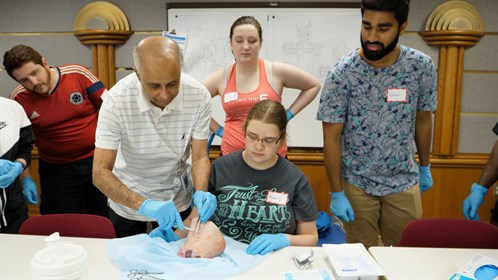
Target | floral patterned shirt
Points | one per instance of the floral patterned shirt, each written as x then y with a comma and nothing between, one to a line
378,107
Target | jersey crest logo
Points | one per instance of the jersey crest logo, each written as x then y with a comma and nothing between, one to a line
76,98
34,115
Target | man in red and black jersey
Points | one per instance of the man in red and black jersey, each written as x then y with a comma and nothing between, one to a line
62,104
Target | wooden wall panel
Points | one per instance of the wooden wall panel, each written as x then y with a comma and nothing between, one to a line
452,180
452,176
318,179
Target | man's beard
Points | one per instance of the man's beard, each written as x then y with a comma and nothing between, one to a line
47,83
377,55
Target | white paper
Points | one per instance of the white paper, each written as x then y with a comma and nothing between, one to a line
352,261
180,39
309,274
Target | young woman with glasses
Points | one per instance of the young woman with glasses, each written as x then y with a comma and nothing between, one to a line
263,199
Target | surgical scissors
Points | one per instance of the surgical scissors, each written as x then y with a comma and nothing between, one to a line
197,226
142,274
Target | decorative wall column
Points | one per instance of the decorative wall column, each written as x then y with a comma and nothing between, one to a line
103,26
452,26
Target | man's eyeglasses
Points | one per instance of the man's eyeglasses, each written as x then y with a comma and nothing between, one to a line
266,140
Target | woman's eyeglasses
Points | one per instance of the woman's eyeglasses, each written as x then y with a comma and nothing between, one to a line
266,140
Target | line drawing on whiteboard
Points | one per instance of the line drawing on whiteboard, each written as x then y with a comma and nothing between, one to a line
209,43
310,39
208,52
303,45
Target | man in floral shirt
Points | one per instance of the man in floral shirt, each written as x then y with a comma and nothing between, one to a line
375,102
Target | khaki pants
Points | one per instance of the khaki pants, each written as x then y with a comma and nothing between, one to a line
384,215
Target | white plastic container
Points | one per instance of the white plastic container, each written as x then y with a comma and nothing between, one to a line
60,260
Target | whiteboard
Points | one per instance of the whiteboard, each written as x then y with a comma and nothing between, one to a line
312,39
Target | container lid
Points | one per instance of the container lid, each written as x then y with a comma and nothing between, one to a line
58,258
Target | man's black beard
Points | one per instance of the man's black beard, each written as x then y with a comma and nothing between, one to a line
376,55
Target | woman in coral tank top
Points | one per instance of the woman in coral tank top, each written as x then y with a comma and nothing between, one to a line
252,79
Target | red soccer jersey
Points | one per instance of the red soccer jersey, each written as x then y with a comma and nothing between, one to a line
64,122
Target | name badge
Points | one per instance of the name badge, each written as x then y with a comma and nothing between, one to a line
230,96
397,95
277,198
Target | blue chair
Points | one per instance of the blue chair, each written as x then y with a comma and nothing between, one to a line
330,230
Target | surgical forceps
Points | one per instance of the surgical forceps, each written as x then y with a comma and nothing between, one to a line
142,274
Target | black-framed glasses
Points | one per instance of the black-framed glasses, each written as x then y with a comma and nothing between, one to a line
254,138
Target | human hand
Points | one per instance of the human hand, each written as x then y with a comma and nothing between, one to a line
290,115
8,172
206,204
165,233
425,177
473,201
163,211
266,243
340,206
219,131
4,166
30,191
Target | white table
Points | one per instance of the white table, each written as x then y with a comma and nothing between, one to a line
424,263
281,261
16,251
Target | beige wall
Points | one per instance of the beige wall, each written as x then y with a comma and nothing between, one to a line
47,26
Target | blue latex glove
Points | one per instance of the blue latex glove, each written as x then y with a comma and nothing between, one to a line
4,165
163,211
266,243
8,172
219,131
473,201
30,191
323,224
167,234
340,206
205,203
425,177
290,115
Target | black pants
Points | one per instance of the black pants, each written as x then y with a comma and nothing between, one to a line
125,227
68,188
494,214
16,219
